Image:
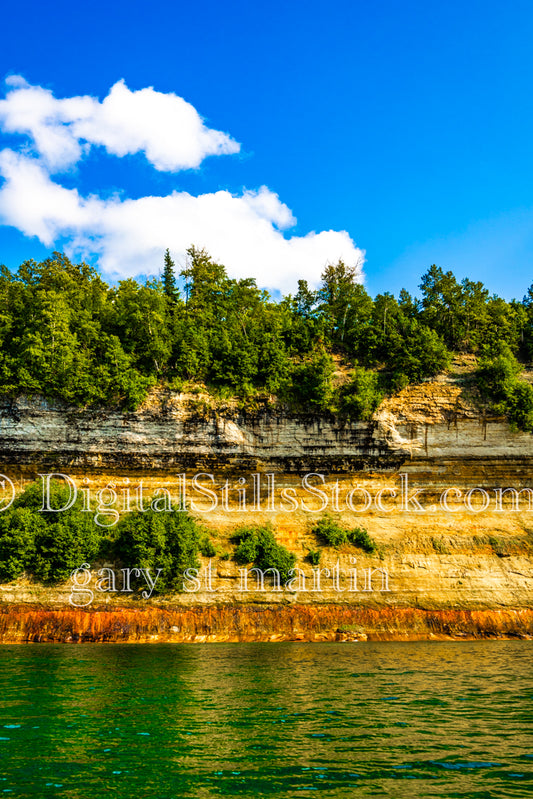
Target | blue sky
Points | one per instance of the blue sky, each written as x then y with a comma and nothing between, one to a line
406,124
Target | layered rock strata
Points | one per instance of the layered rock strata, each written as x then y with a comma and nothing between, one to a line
439,558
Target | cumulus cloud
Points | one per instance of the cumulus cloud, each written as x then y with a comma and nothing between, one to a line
246,232
166,128
32,203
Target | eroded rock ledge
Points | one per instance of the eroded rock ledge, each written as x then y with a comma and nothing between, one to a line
433,420
259,623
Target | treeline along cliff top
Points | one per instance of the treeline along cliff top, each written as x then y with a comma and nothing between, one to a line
66,334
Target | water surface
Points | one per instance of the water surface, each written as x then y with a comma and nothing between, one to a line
410,720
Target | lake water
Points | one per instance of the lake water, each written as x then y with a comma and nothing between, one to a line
250,720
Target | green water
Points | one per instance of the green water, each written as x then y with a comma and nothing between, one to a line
243,720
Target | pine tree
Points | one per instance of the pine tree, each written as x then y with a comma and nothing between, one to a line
169,279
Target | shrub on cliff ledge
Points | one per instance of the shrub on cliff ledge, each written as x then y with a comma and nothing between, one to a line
166,541
330,533
50,544
498,378
18,528
311,384
47,544
362,395
257,545
360,538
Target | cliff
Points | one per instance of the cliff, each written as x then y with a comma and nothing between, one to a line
433,421
465,554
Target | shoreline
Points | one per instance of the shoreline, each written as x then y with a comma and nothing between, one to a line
259,623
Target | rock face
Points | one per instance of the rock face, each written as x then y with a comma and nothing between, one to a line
432,421
257,623
471,551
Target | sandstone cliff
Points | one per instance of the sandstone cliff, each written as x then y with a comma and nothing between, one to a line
429,421
466,558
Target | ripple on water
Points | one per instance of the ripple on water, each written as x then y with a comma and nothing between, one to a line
256,720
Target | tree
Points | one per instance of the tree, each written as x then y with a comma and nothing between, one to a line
205,280
362,395
141,323
498,378
312,381
169,279
345,302
155,540
257,545
526,339
305,300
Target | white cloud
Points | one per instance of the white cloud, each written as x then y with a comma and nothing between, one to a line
32,203
245,232
165,127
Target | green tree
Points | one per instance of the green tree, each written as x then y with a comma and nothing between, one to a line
312,381
49,545
19,528
140,321
362,395
498,378
526,337
345,305
169,278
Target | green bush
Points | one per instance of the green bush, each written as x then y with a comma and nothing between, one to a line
257,545
313,557
311,382
18,530
417,353
497,373
520,406
63,544
330,533
206,547
49,545
166,541
498,378
362,395
361,539
32,498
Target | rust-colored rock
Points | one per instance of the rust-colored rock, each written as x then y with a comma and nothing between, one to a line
258,623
